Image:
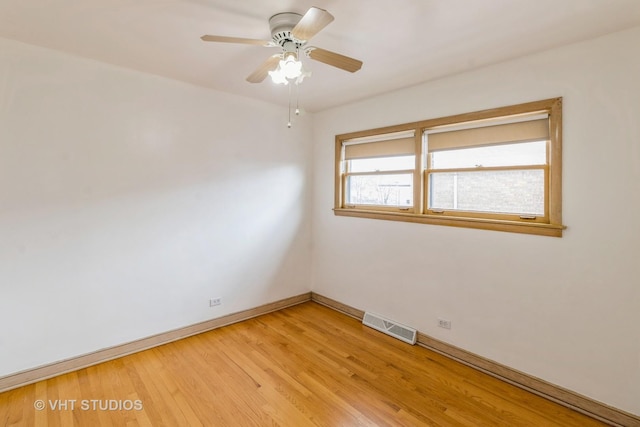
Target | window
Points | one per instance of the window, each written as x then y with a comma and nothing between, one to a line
498,169
380,170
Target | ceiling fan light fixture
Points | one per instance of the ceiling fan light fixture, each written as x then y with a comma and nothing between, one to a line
302,76
278,77
289,69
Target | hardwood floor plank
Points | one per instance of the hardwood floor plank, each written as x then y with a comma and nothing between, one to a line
365,361
305,365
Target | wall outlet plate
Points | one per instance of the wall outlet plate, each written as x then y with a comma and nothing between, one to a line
215,301
444,323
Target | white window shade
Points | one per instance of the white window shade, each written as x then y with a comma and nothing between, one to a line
523,131
387,145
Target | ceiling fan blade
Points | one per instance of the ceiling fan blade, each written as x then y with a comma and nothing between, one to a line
311,23
263,70
334,59
241,40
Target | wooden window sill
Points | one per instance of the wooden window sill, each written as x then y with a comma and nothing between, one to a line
551,230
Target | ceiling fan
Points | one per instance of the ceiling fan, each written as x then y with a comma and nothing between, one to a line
291,32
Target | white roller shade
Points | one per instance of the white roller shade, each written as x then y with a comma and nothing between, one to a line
386,145
523,131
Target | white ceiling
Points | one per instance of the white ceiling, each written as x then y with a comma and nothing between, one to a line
401,42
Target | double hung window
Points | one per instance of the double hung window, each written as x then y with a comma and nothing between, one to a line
498,169
380,170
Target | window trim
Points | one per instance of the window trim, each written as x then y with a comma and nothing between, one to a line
419,214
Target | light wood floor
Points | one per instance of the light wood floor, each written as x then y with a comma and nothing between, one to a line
303,366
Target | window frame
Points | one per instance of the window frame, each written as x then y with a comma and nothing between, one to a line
549,225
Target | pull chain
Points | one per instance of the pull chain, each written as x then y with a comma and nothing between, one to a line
297,99
289,123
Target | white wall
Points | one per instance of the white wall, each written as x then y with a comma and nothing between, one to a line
128,200
566,310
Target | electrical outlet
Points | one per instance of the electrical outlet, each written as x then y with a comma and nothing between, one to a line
215,301
443,323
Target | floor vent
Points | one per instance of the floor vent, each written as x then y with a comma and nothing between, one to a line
396,330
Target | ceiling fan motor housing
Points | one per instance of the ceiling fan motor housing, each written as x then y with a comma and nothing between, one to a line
281,25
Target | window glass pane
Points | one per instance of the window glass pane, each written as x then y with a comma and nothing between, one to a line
511,192
382,190
382,164
526,153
